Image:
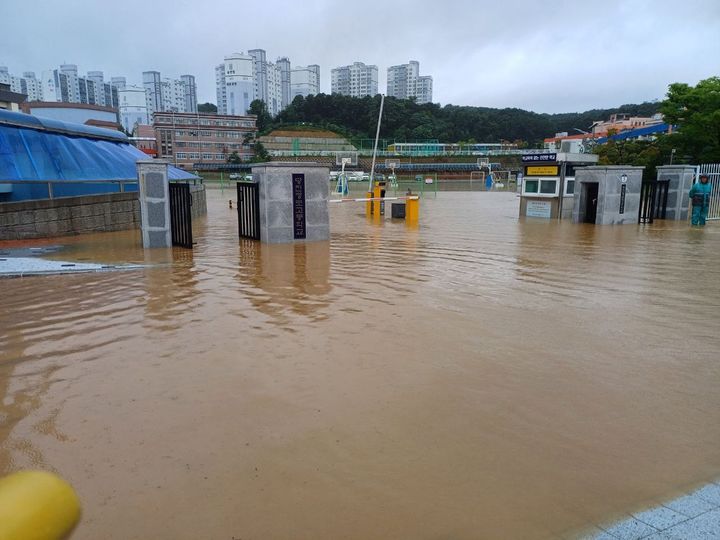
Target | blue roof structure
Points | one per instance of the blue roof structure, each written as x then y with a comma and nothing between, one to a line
635,133
33,148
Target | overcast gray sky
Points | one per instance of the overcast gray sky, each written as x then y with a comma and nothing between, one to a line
556,56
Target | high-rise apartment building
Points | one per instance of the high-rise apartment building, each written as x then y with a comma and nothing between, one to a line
242,78
28,84
235,84
190,89
134,106
357,80
304,81
170,95
283,65
404,81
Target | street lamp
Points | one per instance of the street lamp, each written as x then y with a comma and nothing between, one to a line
672,154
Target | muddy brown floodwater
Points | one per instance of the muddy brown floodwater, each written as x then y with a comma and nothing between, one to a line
476,377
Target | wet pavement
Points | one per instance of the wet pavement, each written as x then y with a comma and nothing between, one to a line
475,377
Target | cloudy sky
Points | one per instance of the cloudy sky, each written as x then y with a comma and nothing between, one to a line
558,56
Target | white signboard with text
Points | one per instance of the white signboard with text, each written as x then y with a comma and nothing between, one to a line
539,209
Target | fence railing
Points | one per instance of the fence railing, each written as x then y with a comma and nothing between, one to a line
50,183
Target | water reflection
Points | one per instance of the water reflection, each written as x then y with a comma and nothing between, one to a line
282,278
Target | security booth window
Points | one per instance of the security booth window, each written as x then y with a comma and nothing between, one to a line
548,187
531,186
569,186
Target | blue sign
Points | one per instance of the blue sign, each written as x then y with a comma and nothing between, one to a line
535,158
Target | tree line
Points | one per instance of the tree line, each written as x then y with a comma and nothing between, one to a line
406,120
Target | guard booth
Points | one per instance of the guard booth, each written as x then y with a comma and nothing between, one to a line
548,183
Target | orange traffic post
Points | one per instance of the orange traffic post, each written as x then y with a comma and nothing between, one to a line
412,210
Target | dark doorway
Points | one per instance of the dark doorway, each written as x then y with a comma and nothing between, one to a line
591,200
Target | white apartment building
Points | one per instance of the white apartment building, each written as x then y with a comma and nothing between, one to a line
357,80
65,85
235,84
134,106
304,81
242,78
404,81
170,95
28,84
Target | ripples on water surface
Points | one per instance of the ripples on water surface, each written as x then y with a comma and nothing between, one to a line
477,377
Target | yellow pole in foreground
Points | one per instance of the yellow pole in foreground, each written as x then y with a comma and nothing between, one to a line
37,505
412,210
369,204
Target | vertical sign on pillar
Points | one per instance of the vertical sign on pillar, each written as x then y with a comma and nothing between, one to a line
623,189
298,194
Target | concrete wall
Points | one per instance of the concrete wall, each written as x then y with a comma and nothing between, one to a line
680,179
69,216
609,190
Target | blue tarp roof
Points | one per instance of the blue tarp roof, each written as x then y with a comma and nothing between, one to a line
33,148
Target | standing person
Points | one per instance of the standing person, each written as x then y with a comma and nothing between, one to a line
700,197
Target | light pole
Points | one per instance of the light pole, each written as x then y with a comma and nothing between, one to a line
672,154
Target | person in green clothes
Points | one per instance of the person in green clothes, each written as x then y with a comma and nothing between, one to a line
700,197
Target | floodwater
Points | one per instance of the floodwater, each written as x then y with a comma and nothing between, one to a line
475,377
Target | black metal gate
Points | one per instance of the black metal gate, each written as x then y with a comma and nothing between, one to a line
248,207
653,200
180,216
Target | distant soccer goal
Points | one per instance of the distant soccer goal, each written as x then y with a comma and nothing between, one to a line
347,158
477,175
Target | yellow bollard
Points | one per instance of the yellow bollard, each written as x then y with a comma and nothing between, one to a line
412,210
369,205
37,505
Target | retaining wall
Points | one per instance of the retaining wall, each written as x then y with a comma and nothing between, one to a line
67,216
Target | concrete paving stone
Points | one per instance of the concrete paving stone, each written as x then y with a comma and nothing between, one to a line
690,505
661,517
630,529
703,527
710,493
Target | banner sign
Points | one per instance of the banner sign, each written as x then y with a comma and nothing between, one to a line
530,158
541,170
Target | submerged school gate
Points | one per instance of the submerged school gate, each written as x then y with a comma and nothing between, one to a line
248,208
180,216
653,200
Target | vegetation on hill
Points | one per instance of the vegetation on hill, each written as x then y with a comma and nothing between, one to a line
406,120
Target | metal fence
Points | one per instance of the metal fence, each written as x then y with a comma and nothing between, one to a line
712,170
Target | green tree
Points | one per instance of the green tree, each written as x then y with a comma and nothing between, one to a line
261,154
207,108
259,109
234,158
696,112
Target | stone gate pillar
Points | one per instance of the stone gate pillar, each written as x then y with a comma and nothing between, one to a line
154,194
680,179
293,201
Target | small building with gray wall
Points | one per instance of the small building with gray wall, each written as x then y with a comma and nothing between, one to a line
607,195
293,199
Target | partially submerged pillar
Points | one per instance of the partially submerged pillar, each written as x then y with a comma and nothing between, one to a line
154,194
680,180
293,201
